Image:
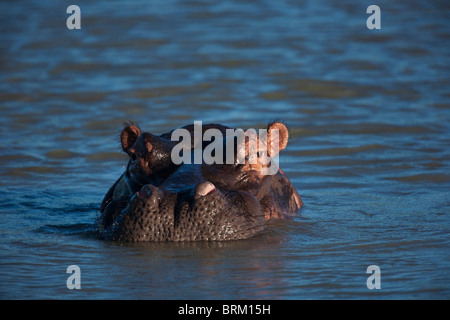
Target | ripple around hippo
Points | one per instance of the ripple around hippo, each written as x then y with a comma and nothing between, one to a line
158,200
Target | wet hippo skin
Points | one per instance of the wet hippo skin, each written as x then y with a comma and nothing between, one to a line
158,200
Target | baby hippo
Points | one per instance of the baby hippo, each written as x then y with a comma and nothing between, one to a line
210,186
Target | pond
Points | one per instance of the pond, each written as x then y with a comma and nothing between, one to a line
369,118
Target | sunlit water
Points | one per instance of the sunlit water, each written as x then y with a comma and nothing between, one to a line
368,112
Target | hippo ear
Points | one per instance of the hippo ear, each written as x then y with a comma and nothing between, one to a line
283,136
129,136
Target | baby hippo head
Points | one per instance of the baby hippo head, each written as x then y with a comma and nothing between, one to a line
259,152
149,156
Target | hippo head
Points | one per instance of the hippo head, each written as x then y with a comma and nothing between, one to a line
159,198
150,161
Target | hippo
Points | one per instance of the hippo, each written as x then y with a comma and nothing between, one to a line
159,199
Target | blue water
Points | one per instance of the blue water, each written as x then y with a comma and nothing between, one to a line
368,113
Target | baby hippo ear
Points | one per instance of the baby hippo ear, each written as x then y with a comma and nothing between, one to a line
129,136
283,137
